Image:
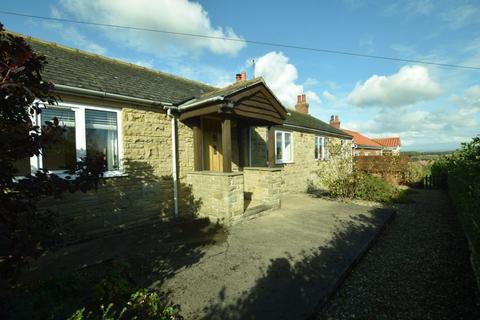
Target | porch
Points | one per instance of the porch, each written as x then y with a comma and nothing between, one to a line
223,177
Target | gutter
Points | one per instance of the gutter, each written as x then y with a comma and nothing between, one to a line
319,131
368,147
189,106
107,95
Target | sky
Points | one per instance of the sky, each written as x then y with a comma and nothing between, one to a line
431,108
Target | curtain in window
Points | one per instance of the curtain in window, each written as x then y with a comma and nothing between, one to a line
102,136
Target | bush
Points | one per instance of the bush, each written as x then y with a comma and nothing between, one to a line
416,172
143,304
463,171
364,186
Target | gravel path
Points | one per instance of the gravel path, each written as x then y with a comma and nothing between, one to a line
418,269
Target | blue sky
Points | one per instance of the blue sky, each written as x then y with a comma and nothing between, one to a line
431,108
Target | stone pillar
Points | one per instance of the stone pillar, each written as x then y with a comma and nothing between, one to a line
221,194
264,185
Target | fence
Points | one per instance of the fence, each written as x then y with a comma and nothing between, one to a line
387,166
435,182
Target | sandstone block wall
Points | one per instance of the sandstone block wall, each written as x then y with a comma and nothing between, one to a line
145,191
263,186
220,194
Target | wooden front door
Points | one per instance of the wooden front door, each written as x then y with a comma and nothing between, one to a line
212,145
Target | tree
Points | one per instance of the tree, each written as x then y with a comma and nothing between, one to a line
25,230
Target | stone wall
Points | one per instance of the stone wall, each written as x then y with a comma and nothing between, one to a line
220,194
263,186
306,172
145,191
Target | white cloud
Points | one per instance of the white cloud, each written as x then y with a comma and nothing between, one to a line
473,93
410,85
172,15
281,77
450,124
328,96
73,36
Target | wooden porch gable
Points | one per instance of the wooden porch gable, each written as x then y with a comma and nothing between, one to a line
255,103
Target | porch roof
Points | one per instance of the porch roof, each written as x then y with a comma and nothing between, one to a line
251,99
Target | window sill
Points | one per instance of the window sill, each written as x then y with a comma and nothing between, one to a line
284,162
107,174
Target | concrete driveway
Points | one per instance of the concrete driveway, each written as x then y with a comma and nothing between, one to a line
282,265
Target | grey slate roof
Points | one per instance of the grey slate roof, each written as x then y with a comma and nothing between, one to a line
76,68
307,121
80,69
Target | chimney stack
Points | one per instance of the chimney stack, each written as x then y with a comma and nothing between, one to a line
335,121
241,77
302,105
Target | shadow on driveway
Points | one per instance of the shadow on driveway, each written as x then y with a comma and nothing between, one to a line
295,290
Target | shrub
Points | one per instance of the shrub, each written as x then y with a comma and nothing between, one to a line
364,186
143,304
415,173
463,171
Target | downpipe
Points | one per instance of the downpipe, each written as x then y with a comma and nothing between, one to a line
173,121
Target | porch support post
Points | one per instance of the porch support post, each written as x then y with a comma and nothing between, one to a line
197,147
271,147
241,146
227,143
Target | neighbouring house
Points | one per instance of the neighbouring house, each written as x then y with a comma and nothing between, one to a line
391,145
176,147
362,145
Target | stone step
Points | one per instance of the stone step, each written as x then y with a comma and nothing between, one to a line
256,210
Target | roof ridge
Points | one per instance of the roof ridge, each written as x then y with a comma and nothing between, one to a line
109,59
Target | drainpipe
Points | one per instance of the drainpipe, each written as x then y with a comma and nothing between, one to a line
174,160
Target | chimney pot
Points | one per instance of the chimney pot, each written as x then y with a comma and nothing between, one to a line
302,105
238,77
244,76
335,121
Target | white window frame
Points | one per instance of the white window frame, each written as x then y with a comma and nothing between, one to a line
320,141
36,162
283,161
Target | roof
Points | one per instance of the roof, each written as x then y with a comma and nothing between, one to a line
219,94
77,68
363,141
389,142
307,121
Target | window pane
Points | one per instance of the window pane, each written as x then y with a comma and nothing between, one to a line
23,167
321,154
61,155
278,139
102,136
288,147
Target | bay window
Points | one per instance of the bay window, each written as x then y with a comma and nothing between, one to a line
283,147
89,131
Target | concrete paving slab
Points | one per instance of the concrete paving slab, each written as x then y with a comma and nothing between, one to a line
278,266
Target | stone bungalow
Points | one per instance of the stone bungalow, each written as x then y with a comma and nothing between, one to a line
176,147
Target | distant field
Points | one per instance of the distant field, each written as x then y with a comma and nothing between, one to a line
416,155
